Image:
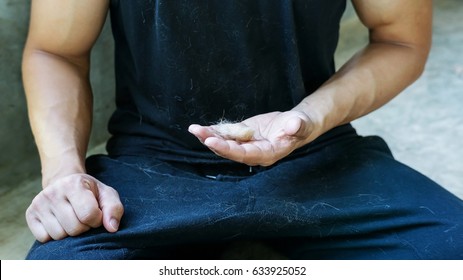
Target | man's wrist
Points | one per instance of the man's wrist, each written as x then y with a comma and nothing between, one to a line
56,168
316,118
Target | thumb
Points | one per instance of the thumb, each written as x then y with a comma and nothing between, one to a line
298,127
111,207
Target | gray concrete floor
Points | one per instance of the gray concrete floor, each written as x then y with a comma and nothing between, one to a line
423,126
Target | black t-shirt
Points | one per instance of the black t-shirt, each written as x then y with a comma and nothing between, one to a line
180,62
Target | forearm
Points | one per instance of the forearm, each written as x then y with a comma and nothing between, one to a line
369,80
60,111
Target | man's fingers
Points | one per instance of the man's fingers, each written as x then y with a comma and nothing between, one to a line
69,207
201,132
37,228
250,153
69,220
84,202
88,214
111,207
53,227
41,218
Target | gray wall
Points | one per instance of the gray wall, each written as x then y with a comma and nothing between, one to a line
18,154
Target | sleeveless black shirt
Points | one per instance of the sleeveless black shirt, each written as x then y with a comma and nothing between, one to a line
180,62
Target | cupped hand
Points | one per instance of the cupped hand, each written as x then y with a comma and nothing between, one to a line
275,135
71,206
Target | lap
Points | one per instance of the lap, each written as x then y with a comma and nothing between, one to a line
347,199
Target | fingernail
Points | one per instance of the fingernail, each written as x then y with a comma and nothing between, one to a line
114,224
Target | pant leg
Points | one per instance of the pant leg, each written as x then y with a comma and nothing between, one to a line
346,200
360,203
166,211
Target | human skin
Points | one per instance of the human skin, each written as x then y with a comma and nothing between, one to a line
56,78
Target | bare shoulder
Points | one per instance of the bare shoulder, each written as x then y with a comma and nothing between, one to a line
381,12
404,22
66,27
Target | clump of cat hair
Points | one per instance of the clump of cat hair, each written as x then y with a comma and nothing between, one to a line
234,131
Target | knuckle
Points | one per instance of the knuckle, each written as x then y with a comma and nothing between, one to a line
56,233
30,213
85,182
38,204
33,207
76,230
42,237
50,194
89,215
72,182
118,207
60,235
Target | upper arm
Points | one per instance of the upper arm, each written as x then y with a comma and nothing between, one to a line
407,23
66,28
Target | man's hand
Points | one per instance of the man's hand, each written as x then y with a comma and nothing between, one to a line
276,135
56,65
73,205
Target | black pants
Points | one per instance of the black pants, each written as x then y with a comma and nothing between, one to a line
346,199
